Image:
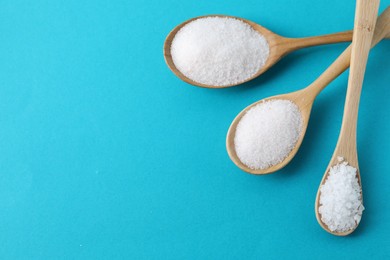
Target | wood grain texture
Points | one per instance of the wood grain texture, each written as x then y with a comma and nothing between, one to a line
304,98
365,19
279,47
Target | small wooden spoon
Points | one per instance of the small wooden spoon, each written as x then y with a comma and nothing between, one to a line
279,47
366,12
304,98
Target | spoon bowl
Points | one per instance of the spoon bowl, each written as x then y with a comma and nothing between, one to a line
278,47
352,160
300,98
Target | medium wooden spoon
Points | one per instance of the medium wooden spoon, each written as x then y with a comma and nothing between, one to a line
304,98
365,18
279,47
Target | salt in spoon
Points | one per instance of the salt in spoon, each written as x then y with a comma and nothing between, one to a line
304,98
278,47
366,12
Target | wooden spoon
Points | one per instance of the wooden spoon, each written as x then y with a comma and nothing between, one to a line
366,12
279,47
304,98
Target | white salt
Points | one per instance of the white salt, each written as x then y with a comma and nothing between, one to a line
267,133
340,200
219,51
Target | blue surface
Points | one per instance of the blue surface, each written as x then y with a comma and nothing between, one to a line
105,154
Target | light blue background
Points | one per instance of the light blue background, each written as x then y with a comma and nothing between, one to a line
106,154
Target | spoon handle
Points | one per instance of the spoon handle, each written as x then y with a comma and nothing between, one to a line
382,29
293,44
365,18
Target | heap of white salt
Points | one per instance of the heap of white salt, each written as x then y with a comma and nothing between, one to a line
267,133
340,199
219,51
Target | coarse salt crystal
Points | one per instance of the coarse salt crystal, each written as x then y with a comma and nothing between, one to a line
219,51
267,133
341,205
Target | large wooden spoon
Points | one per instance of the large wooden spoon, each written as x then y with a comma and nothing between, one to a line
304,98
279,47
366,12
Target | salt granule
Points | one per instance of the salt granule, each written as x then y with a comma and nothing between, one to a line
267,133
219,51
340,200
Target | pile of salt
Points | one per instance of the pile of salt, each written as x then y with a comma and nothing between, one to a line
267,133
341,198
219,51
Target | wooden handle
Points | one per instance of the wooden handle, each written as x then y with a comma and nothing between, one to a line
298,43
382,29
292,44
365,19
